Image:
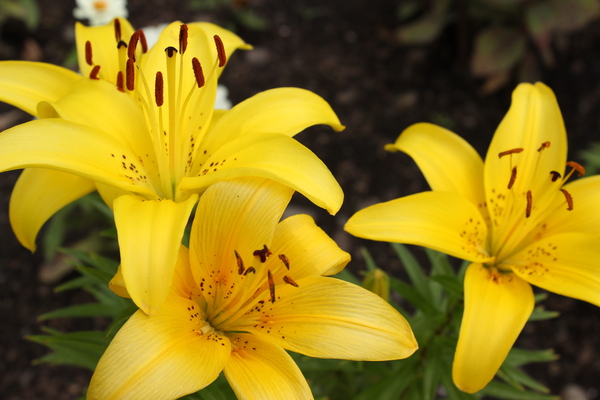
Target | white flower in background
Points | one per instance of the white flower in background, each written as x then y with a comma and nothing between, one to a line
100,12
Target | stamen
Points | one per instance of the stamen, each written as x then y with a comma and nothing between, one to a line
160,99
198,72
88,53
220,51
121,44
130,74
285,260
251,269
512,151
133,41
120,81
577,167
117,25
171,51
240,262
263,253
94,73
529,204
289,281
271,285
569,199
555,175
143,41
544,145
183,38
513,177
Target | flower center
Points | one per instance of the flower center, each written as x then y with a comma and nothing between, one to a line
100,5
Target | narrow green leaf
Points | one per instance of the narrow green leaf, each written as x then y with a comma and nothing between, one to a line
504,391
412,296
517,357
414,271
81,349
521,378
369,262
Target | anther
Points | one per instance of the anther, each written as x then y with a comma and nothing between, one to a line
171,51
120,83
512,151
159,93
130,74
143,41
529,204
183,38
121,44
133,41
88,53
240,262
513,177
198,72
94,73
271,285
285,260
555,175
263,253
117,25
577,167
289,281
220,51
250,269
544,145
568,198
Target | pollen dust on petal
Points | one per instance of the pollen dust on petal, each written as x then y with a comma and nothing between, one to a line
537,261
474,238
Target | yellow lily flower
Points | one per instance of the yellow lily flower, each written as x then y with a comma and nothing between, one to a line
513,217
142,131
249,287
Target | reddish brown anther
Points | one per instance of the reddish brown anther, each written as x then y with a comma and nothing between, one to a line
250,269
289,281
529,204
263,253
159,90
285,260
88,53
220,51
512,151
183,38
121,44
120,82
94,73
171,51
577,167
554,175
117,25
513,177
130,74
271,285
240,262
198,72
568,198
143,41
133,41
544,145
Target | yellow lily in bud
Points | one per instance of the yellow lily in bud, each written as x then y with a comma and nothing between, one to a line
249,288
140,128
513,217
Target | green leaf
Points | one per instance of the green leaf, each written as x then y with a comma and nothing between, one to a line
369,262
517,357
497,50
516,375
414,271
503,391
347,276
452,285
412,296
392,387
427,28
79,311
81,349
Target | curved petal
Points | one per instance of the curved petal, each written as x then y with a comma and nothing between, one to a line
446,160
24,84
273,156
103,42
150,233
117,284
330,318
163,356
442,221
497,306
260,370
566,264
37,195
309,250
73,148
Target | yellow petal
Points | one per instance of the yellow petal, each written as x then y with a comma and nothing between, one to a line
446,160
24,84
159,357
73,148
330,318
37,195
150,233
260,370
566,264
533,118
308,249
273,156
117,284
442,221
497,306
104,48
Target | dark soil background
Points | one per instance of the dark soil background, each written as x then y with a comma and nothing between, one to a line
342,50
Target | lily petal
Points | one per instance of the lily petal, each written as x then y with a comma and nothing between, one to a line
442,221
446,160
566,264
159,357
497,306
309,250
273,156
330,318
24,84
150,233
73,148
259,370
37,195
